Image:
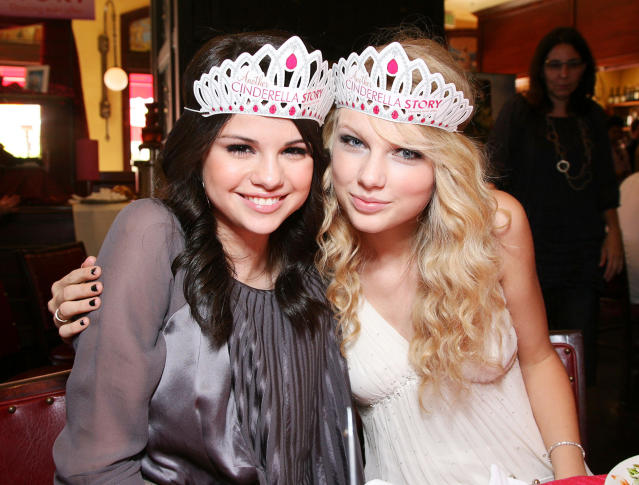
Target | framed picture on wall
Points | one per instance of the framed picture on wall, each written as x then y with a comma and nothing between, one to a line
37,79
135,32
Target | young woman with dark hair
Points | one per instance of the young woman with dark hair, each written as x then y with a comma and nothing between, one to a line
213,357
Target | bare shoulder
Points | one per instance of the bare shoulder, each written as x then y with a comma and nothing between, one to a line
511,222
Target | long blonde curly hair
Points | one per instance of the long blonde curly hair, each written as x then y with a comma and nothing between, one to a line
455,248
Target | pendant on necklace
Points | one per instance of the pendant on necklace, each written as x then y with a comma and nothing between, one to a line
563,166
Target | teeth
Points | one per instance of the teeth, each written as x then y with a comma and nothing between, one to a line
261,201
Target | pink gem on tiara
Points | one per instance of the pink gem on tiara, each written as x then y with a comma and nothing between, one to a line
410,118
291,62
394,115
230,108
291,111
376,109
362,106
272,109
423,120
241,108
255,108
392,67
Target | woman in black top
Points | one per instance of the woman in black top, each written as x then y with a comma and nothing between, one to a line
550,150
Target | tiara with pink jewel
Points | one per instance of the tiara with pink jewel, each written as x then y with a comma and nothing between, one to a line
288,82
381,84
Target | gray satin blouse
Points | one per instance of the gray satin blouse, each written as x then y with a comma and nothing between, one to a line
150,397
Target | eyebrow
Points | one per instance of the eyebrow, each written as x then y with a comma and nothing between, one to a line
252,141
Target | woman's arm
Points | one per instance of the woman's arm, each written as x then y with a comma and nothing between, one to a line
75,295
119,360
545,377
612,256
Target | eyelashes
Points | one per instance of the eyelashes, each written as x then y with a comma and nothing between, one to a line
403,153
241,150
407,154
238,149
351,141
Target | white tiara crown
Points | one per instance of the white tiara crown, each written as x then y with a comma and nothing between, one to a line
297,84
362,83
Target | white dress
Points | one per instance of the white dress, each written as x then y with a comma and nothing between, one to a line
459,436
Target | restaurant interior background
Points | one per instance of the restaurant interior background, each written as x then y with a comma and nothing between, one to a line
67,133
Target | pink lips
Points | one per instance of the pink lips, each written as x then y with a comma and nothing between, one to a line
368,205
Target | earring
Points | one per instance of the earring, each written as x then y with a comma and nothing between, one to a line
208,201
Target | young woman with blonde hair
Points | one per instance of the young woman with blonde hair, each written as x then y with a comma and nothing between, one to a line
433,280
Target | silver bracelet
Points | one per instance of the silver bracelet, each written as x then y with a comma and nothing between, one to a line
565,443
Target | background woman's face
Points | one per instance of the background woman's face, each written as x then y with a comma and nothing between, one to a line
256,174
563,69
380,186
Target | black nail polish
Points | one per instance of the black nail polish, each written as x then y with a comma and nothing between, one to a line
93,270
92,303
94,288
82,323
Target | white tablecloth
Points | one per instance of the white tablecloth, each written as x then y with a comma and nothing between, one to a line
92,222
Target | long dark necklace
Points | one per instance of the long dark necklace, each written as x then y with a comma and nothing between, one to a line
581,180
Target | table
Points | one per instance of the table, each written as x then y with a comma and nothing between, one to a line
92,222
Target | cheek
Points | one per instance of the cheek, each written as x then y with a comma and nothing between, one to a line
301,175
342,171
419,186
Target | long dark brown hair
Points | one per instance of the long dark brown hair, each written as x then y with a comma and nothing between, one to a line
538,92
208,279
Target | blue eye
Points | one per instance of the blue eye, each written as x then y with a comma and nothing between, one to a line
351,141
407,154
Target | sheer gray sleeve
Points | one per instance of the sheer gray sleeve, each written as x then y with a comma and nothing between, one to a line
120,356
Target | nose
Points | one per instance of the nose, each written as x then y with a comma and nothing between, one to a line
564,70
372,173
267,172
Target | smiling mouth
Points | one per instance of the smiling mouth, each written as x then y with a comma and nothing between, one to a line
263,201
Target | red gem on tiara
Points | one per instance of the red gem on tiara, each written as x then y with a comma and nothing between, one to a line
291,111
291,62
362,106
392,67
394,115
376,110
241,108
303,112
410,118
432,121
423,120
255,108
230,108
272,109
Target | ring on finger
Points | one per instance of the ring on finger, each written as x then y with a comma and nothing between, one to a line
58,318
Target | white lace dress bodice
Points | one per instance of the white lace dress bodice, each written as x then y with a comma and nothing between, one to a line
459,435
